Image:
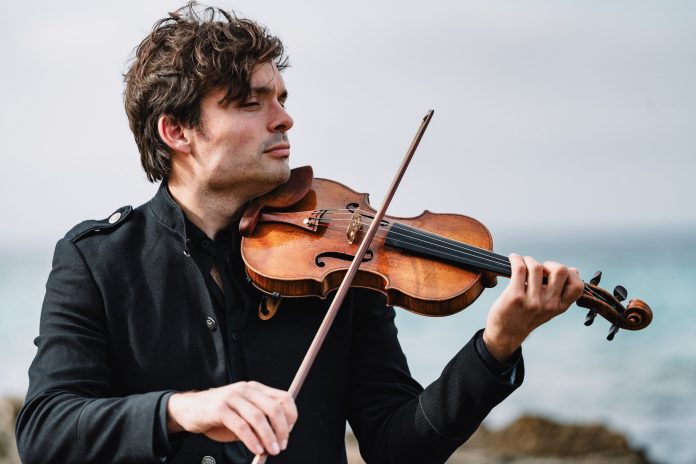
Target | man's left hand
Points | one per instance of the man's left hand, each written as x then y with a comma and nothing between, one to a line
527,302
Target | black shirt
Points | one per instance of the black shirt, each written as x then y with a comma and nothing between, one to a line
231,302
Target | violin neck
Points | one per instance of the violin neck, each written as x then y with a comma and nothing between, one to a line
435,246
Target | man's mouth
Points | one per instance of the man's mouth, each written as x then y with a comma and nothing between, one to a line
279,150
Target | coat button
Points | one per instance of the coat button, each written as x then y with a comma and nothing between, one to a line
211,324
236,336
208,460
114,217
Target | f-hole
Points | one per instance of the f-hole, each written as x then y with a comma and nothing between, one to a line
319,260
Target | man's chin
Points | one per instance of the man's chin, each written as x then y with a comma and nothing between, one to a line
286,172
278,177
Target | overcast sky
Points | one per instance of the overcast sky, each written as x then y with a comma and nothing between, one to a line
549,115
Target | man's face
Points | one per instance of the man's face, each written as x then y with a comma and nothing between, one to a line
244,146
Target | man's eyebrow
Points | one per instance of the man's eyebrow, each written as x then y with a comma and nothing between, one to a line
266,89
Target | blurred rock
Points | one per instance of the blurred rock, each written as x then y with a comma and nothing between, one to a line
9,407
537,436
536,440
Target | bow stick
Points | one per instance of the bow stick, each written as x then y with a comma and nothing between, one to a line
352,270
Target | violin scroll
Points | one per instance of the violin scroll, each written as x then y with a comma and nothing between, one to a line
636,315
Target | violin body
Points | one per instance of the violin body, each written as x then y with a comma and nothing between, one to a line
313,260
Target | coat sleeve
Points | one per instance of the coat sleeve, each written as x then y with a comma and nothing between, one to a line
393,418
71,414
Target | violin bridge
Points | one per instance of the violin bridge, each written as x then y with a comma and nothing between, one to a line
354,227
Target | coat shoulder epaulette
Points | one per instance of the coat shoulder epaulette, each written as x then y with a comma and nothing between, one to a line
93,226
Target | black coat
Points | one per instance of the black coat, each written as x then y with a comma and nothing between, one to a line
126,320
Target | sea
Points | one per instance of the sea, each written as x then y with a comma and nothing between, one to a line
642,384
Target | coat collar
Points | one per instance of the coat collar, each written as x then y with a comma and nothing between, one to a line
168,212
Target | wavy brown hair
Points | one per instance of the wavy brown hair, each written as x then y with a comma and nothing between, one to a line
186,55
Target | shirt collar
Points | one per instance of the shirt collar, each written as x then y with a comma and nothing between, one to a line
171,215
226,240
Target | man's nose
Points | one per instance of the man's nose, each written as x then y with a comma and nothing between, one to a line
282,121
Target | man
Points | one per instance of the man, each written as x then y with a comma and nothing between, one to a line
151,346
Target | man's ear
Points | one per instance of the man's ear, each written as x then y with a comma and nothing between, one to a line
174,134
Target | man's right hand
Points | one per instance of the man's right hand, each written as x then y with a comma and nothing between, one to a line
258,415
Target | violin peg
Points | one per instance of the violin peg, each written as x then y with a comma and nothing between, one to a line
589,319
620,292
596,278
612,332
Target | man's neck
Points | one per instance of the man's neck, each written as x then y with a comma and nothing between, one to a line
209,211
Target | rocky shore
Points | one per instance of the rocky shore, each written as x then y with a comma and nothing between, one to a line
528,440
9,407
536,440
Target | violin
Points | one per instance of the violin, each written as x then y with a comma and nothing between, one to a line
299,240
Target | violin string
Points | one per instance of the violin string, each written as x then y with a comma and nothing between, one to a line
429,238
465,249
505,269
468,250
485,254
